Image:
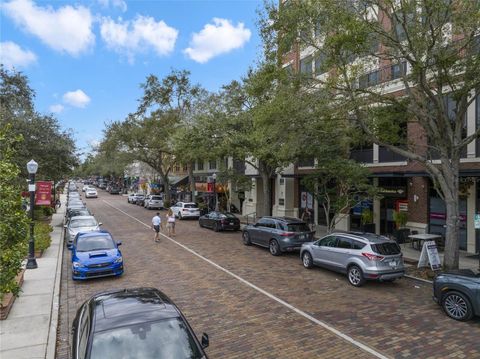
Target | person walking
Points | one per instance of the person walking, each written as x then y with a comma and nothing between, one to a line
170,222
156,224
307,217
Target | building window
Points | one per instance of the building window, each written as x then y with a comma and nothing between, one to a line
282,181
212,164
318,29
370,79
306,162
319,64
185,168
398,70
200,165
477,121
306,66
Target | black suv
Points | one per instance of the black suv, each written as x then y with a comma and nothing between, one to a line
458,292
133,323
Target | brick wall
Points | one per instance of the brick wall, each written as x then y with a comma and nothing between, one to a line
418,211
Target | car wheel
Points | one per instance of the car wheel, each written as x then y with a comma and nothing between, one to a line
307,260
246,238
355,276
215,227
457,306
274,248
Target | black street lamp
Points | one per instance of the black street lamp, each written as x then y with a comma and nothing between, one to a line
32,167
214,177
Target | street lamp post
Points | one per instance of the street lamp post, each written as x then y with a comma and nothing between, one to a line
32,167
214,177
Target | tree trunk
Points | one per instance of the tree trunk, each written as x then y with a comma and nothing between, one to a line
265,173
191,181
449,185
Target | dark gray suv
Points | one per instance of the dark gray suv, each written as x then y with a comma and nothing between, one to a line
362,256
458,293
278,234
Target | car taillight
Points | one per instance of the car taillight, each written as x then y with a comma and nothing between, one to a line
372,257
185,210
287,234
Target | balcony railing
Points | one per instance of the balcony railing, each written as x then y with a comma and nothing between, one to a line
385,155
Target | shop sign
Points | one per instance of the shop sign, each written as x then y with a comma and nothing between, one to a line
393,191
477,221
43,195
361,206
443,216
430,255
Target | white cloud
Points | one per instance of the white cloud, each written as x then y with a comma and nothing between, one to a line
57,108
67,29
12,55
130,37
122,5
76,98
216,39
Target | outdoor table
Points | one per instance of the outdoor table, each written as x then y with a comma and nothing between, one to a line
420,238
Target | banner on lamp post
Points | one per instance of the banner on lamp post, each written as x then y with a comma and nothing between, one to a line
43,195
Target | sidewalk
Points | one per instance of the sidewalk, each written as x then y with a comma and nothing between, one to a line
30,331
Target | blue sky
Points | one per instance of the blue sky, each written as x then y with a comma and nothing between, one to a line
86,59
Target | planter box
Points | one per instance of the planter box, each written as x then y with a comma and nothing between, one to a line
9,298
38,253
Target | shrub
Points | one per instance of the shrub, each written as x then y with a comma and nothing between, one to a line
42,235
13,220
166,204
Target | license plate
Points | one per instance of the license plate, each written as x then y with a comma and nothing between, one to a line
392,264
231,223
302,236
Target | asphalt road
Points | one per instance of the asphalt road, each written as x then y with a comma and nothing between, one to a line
254,305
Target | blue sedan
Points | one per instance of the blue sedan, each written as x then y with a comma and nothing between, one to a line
96,254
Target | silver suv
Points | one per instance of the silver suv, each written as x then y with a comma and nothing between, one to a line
362,256
153,201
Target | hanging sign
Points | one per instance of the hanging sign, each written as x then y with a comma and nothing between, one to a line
43,195
477,221
430,255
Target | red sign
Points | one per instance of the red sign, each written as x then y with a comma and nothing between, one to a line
43,195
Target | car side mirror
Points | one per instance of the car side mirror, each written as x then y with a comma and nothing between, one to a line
205,341
100,223
119,243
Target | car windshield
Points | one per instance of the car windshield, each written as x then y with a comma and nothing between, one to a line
296,227
227,215
87,222
190,205
87,244
165,339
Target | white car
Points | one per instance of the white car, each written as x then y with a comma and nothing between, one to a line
186,210
91,193
84,188
153,201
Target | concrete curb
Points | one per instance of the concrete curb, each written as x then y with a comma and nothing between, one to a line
419,279
52,332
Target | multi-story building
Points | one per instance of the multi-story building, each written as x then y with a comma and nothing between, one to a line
403,184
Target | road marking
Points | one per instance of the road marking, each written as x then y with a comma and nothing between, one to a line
264,292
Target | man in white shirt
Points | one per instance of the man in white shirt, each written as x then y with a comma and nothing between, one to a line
156,224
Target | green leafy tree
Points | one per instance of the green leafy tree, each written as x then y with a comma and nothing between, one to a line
13,220
434,48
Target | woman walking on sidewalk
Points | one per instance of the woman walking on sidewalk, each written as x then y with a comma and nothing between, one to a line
156,225
170,223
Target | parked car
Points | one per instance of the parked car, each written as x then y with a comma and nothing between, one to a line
183,210
96,254
102,185
84,188
362,256
114,190
75,212
140,199
80,224
458,292
153,201
278,234
140,321
132,197
91,193
219,221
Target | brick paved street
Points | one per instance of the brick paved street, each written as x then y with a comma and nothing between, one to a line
398,320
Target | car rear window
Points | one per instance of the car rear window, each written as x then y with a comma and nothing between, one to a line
297,227
386,248
156,198
190,205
